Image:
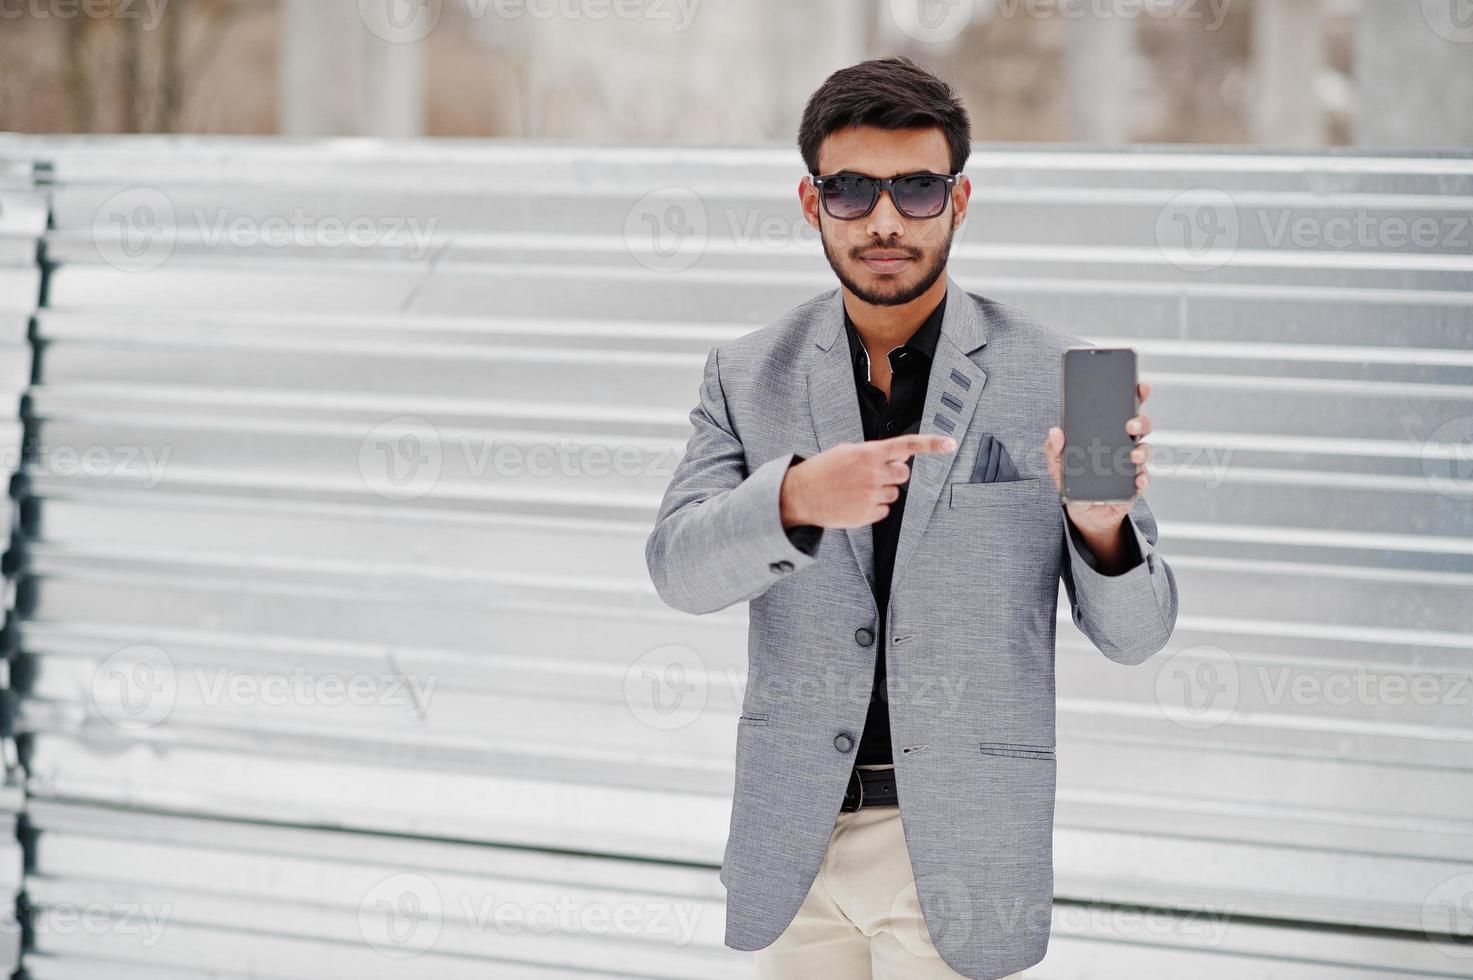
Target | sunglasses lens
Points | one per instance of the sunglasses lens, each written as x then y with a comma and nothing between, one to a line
848,196
919,196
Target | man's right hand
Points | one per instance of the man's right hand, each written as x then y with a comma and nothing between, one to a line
854,483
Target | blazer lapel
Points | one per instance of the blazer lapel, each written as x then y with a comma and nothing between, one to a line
952,394
833,402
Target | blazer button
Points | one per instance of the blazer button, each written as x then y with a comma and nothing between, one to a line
864,636
843,742
778,567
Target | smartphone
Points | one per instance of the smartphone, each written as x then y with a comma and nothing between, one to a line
1098,397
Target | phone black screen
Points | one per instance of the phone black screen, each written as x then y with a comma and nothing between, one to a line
1099,398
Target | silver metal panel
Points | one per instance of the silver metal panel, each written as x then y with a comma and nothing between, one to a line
1299,759
486,910
321,907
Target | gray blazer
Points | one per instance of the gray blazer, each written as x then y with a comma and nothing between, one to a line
971,620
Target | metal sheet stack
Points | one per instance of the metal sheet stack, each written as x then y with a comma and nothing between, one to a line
22,223
342,657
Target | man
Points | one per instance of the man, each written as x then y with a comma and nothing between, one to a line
863,472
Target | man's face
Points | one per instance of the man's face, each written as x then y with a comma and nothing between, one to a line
885,258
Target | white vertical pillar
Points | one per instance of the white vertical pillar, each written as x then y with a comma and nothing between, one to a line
1101,66
340,78
1288,56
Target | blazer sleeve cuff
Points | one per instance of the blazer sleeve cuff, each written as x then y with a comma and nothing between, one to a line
1125,609
763,538
805,537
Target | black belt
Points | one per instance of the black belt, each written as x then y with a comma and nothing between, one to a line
870,787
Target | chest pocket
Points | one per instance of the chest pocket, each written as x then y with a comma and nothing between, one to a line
1004,493
1006,522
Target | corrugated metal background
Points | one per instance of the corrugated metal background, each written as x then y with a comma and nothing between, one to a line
341,655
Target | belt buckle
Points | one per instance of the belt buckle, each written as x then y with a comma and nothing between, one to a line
856,785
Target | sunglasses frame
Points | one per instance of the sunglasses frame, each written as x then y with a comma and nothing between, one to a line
884,187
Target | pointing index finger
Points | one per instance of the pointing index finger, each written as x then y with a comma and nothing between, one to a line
902,447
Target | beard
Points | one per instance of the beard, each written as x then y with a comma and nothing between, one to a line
896,294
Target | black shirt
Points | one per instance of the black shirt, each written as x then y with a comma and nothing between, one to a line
910,364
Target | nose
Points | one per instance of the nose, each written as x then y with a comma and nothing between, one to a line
885,222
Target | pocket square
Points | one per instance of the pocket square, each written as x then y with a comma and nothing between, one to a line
993,465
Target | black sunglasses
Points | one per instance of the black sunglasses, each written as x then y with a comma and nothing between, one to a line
848,196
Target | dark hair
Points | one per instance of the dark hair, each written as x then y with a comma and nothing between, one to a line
890,93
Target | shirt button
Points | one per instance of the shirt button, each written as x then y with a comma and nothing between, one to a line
843,742
889,426
864,636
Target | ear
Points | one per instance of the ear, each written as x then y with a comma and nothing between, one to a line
808,200
961,195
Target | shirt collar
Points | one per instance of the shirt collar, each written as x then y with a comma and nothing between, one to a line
924,339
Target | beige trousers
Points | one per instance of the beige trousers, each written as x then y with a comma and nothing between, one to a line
861,919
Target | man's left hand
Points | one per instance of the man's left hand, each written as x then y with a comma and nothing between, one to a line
1101,524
